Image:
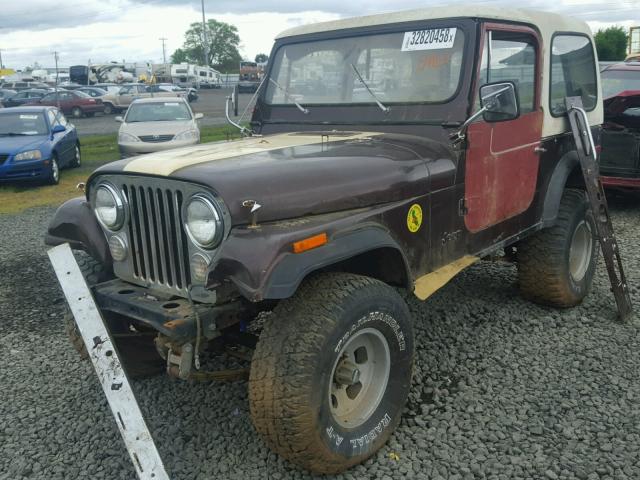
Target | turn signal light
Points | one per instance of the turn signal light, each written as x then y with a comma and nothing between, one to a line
310,243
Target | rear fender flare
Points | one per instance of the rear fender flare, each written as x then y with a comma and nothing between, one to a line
565,166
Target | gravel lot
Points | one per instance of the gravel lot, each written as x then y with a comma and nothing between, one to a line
210,102
503,389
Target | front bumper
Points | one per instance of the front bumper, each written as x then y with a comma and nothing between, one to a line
171,316
24,170
139,148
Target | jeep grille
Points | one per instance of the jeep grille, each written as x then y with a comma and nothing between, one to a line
158,244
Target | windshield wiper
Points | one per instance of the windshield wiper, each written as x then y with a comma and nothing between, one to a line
288,95
373,95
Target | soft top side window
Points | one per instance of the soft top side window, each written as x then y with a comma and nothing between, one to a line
573,72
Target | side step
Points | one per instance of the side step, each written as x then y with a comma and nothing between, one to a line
591,172
114,381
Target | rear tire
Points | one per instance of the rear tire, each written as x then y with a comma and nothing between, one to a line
556,265
108,109
332,371
138,354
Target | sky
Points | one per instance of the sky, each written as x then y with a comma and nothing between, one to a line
114,30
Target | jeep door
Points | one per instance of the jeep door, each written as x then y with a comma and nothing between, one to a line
502,157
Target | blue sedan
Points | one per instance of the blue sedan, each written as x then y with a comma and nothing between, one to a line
35,143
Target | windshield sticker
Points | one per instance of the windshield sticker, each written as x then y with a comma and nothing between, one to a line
433,39
28,117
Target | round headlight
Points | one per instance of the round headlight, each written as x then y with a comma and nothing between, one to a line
203,222
109,207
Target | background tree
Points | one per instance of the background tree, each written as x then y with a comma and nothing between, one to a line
223,42
179,56
611,44
262,58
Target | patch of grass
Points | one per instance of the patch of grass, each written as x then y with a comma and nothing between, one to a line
96,151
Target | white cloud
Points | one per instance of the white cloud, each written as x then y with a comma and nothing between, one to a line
105,30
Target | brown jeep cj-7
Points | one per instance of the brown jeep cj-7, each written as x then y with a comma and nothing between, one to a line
384,151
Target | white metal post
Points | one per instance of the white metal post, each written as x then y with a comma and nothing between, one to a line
103,355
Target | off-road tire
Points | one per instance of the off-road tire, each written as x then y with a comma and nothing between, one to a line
292,366
138,354
543,258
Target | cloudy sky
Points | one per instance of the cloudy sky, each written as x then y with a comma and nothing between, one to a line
105,30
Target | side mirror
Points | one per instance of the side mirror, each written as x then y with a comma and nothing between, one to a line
119,119
499,102
58,128
198,116
234,100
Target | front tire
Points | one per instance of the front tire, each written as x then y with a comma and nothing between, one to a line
76,112
108,109
332,371
77,159
54,171
556,265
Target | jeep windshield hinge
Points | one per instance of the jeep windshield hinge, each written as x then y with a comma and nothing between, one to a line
586,150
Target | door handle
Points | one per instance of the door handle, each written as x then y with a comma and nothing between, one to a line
540,149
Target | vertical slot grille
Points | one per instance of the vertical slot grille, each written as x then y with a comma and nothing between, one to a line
158,244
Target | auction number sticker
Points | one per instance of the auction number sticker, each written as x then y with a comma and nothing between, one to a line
432,39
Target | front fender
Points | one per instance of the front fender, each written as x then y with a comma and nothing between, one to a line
261,264
75,223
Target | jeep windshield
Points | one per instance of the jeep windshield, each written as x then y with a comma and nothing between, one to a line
413,66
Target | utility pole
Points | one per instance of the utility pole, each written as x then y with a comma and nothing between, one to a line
164,52
204,38
1,64
55,56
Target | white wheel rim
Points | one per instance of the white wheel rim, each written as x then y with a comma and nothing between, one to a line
77,155
359,378
580,251
55,172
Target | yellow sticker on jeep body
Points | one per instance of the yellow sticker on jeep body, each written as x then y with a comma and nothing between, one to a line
414,218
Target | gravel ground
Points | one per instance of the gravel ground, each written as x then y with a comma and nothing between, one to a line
503,389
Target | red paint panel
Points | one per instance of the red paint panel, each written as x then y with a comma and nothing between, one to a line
620,182
501,169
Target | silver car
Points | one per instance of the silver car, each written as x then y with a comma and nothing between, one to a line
154,124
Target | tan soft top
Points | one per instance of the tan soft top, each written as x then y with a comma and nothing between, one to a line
546,23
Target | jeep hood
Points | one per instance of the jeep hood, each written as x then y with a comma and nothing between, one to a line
292,175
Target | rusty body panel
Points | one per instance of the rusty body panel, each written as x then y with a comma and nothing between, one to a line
363,174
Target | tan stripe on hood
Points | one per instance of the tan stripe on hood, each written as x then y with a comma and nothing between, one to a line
166,162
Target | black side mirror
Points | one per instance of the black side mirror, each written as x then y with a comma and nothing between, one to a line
499,101
234,100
